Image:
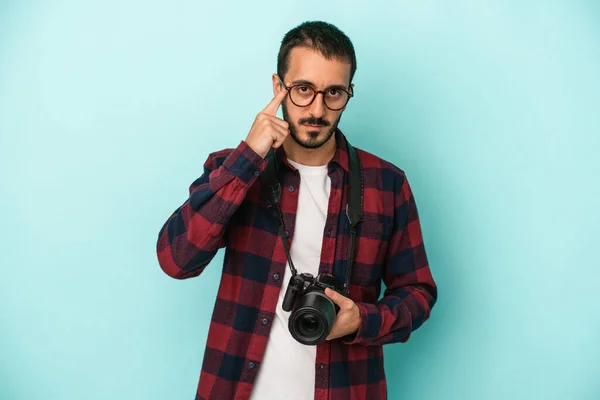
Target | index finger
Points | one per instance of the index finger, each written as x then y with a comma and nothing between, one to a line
272,107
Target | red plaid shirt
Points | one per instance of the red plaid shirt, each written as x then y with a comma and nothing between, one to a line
225,209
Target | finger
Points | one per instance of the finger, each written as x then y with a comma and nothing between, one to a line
336,297
333,333
273,106
279,122
281,136
280,130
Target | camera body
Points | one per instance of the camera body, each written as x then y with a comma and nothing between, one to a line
312,312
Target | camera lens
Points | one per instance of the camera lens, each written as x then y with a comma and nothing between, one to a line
311,320
308,325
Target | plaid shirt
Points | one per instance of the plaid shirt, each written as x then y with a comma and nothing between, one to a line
225,209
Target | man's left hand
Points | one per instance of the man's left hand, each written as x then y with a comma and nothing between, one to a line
348,317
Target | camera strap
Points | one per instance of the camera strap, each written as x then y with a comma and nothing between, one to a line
354,208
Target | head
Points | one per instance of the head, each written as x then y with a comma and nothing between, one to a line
314,55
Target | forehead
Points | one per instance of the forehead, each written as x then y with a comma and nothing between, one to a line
310,65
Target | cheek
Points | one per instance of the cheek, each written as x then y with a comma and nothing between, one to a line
293,114
332,117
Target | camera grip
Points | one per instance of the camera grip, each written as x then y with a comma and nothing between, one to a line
295,284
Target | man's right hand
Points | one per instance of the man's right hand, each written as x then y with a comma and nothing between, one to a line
267,130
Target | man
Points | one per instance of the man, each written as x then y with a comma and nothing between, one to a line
250,352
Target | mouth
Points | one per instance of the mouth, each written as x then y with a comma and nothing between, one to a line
314,126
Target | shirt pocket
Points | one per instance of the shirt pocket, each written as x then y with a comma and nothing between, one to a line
369,254
371,227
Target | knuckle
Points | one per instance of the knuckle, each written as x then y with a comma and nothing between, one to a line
267,123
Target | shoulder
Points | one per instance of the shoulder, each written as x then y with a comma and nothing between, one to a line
389,174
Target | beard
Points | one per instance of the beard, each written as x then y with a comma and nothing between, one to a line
315,139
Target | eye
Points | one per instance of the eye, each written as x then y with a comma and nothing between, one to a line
333,92
303,89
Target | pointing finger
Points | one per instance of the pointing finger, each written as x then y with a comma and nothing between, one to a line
273,106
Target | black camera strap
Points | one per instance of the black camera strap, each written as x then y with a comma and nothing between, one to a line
354,208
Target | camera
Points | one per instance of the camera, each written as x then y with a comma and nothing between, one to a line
312,312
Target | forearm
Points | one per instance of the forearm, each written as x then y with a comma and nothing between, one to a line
395,316
192,235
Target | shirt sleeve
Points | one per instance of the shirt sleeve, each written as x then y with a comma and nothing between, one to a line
193,234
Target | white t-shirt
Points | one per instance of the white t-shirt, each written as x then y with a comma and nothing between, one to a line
288,367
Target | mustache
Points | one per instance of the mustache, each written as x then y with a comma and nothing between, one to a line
314,121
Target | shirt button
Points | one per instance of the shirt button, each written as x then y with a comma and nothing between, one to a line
256,173
276,276
287,234
328,232
321,366
251,364
291,188
265,321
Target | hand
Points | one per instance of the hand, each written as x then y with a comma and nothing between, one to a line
348,317
267,130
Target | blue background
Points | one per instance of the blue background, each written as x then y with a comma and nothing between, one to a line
108,110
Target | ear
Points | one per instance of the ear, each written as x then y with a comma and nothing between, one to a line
276,85
351,87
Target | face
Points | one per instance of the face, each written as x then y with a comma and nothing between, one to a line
314,125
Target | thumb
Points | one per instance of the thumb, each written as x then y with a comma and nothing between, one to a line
336,297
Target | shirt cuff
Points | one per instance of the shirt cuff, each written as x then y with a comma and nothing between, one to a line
370,325
245,163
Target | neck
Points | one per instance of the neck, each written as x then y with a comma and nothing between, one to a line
310,157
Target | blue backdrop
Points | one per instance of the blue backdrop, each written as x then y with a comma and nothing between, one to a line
108,110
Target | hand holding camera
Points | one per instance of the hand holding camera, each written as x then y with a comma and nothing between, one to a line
318,311
348,316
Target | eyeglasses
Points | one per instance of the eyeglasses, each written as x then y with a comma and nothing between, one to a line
302,95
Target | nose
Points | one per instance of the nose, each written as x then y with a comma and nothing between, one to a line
318,108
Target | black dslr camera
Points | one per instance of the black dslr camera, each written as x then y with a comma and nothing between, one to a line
313,312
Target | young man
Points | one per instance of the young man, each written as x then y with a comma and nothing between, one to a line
250,352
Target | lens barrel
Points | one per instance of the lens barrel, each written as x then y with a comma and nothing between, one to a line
311,320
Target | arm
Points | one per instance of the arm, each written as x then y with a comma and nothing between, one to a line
410,289
194,233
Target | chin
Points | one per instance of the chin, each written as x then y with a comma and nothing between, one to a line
312,139
311,135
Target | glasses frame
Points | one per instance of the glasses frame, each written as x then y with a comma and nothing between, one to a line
316,92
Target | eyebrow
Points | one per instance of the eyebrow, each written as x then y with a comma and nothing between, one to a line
309,83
